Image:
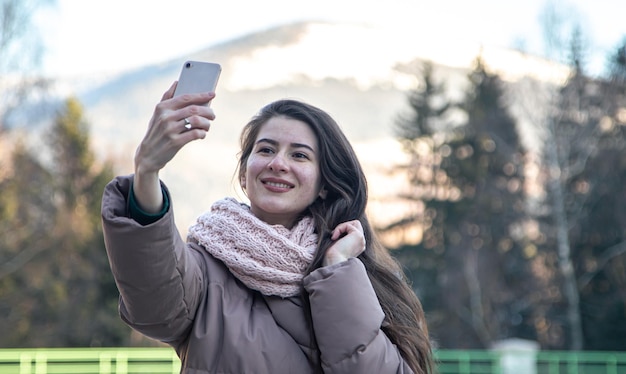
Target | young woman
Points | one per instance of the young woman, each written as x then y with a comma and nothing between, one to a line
294,282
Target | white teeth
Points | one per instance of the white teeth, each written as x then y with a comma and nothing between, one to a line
279,185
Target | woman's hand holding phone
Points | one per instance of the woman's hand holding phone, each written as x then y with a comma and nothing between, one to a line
176,121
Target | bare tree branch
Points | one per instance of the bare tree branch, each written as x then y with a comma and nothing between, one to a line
603,260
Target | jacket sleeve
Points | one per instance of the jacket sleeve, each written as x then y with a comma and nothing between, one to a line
347,320
159,277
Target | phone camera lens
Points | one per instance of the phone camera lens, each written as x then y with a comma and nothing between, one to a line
188,65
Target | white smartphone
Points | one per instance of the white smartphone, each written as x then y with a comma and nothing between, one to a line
198,76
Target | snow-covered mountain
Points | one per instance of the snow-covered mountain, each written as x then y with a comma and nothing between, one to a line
358,73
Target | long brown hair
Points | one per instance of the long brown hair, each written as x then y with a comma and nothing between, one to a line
343,179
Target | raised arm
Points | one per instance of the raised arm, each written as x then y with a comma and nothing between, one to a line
156,273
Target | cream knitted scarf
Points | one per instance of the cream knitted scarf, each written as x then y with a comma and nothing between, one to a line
268,258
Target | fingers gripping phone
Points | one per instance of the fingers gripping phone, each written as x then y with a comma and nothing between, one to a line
198,76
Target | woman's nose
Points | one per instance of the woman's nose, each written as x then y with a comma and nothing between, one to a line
278,163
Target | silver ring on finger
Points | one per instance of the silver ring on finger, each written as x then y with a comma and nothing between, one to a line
187,123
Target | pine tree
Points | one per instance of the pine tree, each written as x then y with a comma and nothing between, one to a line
420,132
62,294
472,191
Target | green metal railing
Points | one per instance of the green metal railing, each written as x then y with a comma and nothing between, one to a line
543,362
164,360
89,361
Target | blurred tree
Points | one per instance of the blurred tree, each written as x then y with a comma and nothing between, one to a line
55,282
555,20
26,209
597,199
582,158
590,140
617,65
20,53
418,132
569,142
470,179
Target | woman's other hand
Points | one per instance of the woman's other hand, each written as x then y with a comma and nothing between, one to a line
349,242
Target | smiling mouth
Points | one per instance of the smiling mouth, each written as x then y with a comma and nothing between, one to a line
277,185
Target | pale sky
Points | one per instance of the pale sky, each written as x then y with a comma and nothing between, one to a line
88,36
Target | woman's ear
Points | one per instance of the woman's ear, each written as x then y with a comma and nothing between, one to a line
242,183
323,193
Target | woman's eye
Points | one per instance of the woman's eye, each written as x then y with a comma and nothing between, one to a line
300,155
265,150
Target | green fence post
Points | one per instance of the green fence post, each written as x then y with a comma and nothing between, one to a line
121,363
104,363
464,364
41,363
175,363
554,366
572,364
25,363
611,365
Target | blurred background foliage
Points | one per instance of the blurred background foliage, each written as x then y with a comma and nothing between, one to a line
520,241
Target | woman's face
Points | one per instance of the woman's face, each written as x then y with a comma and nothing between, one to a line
282,176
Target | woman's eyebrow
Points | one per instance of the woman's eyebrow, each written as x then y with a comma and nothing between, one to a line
292,145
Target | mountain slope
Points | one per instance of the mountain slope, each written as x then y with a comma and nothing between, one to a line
359,74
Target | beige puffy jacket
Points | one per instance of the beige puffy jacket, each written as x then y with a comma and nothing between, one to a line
178,293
